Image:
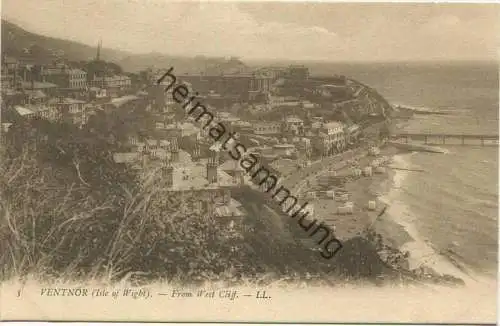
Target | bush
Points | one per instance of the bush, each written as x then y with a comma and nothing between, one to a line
68,211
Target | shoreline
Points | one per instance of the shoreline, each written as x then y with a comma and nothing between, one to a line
404,219
421,253
399,232
399,235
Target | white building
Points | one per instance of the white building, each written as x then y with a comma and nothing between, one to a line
331,138
267,128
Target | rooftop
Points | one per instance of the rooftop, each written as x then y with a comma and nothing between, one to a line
227,211
120,101
38,85
22,111
125,157
192,177
293,119
9,60
331,86
116,77
332,125
66,100
10,92
5,126
37,93
284,146
267,123
62,70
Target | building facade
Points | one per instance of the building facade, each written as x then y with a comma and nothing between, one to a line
9,73
331,138
121,82
64,76
267,128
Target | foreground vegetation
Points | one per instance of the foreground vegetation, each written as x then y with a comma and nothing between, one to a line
68,211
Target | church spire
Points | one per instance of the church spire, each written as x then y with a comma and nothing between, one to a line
99,45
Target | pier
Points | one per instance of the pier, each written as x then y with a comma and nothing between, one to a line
448,139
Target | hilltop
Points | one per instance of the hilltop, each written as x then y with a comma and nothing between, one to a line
15,39
44,49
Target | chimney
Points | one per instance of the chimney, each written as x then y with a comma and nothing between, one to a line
216,156
196,152
168,173
175,151
145,158
238,174
212,169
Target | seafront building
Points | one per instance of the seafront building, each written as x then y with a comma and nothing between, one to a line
331,138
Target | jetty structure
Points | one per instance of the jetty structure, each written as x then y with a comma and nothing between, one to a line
417,147
446,138
420,110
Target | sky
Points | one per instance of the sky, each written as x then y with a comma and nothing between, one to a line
267,30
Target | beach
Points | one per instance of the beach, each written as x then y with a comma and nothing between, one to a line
360,190
391,218
396,228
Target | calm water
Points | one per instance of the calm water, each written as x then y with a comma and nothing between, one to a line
454,205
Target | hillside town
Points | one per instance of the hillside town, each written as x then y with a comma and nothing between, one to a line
113,131
272,109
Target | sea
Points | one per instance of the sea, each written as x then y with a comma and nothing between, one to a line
451,208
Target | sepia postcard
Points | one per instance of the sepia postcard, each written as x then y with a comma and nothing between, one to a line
266,162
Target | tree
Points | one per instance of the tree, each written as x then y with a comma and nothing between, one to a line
145,76
102,68
113,67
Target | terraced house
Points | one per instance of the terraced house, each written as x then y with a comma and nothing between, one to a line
65,77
